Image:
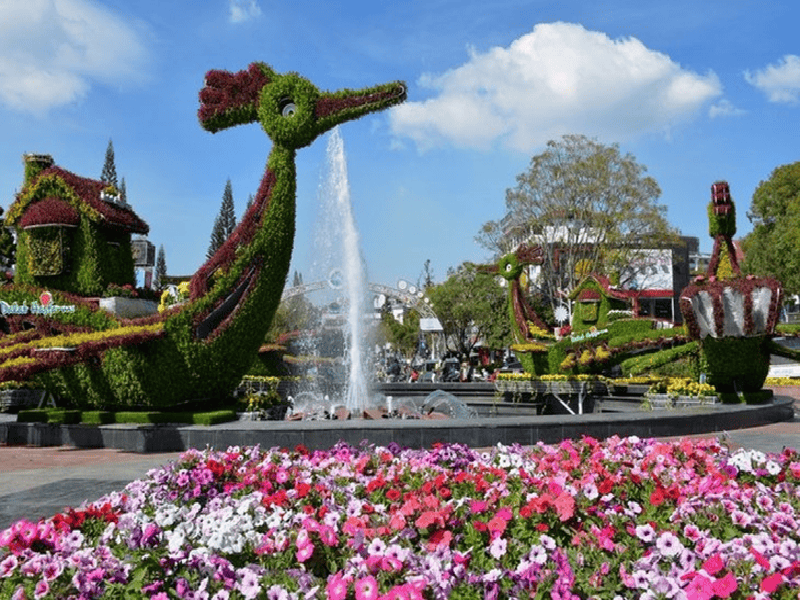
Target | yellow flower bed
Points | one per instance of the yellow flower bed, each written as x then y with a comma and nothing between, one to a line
682,386
781,381
76,339
14,362
533,347
539,333
546,377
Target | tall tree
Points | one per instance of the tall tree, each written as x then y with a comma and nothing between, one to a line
425,280
109,174
225,222
123,192
227,213
298,279
161,267
403,336
773,247
217,237
471,307
589,206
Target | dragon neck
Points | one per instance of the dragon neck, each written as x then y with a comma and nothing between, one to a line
256,254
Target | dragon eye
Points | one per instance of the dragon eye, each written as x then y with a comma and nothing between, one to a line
288,108
509,267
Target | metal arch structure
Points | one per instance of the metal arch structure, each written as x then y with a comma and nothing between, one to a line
412,299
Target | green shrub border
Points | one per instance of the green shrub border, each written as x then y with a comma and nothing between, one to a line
652,360
99,417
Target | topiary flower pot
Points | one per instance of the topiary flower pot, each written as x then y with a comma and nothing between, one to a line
733,320
734,308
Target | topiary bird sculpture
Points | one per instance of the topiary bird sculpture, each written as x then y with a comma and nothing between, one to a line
202,348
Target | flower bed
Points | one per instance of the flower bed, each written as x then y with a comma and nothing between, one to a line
622,518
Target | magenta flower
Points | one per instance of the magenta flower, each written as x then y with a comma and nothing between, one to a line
337,586
304,552
367,588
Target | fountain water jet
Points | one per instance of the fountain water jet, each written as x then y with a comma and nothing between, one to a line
338,259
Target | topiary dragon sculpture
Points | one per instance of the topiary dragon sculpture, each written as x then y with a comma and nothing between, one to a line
526,326
202,348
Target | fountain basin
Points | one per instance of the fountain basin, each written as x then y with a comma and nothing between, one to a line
477,433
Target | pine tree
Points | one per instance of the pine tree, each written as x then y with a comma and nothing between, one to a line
123,192
109,175
227,213
161,267
217,237
225,222
249,201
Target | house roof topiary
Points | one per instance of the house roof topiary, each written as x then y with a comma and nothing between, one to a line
50,211
56,196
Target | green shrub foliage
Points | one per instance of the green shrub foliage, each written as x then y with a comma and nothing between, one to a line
735,364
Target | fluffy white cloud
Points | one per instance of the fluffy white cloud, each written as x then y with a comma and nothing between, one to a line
243,10
52,50
558,79
780,82
724,108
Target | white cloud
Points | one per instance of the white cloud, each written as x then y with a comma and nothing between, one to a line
51,51
558,79
243,10
724,108
780,82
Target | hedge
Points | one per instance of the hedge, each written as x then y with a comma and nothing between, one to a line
107,417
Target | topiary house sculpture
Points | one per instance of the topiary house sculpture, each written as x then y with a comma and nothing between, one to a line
734,318
73,233
202,348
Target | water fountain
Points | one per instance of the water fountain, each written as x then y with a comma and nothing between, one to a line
338,259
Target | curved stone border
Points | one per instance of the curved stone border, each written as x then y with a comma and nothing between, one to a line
412,433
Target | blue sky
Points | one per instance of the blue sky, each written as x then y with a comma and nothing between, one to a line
696,91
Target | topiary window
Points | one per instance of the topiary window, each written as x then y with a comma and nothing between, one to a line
589,311
48,248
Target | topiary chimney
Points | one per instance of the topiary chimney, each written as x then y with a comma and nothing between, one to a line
35,164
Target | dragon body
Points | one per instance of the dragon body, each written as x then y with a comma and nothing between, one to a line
202,348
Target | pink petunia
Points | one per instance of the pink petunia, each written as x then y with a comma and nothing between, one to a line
771,583
367,588
477,506
713,564
497,526
565,506
725,586
304,552
337,586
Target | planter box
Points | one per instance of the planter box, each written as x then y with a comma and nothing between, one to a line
660,401
682,401
567,387
128,308
14,399
504,385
